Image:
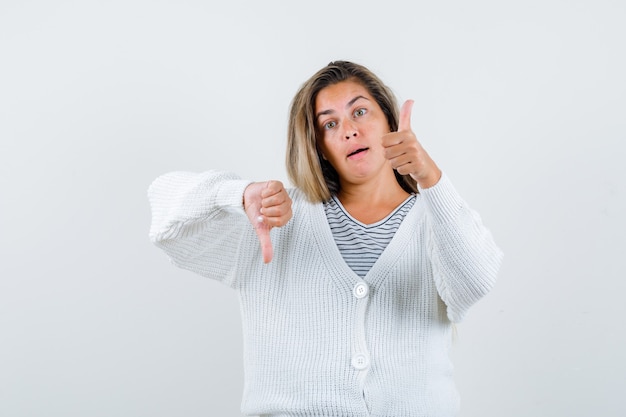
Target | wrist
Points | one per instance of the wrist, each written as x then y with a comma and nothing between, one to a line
428,180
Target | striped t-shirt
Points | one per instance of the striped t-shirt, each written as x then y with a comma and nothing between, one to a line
361,244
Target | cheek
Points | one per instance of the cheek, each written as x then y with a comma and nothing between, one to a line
322,148
329,152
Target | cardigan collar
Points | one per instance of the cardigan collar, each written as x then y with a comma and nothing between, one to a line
342,274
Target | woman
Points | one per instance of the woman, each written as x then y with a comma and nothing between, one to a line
348,303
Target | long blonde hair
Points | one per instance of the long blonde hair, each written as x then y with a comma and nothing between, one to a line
306,167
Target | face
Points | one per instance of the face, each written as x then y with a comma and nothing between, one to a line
351,125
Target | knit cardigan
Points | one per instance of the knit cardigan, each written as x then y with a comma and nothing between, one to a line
318,339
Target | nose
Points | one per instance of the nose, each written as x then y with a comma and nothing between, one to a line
350,131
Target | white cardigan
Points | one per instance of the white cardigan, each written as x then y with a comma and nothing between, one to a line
318,339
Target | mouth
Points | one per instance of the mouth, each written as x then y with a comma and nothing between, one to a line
357,151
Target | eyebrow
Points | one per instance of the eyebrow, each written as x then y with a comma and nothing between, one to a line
350,103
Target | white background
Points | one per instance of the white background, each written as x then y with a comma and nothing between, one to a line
521,103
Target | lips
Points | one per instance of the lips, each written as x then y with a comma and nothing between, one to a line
357,151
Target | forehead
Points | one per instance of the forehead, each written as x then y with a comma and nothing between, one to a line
336,96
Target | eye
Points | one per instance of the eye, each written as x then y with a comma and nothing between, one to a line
360,112
330,125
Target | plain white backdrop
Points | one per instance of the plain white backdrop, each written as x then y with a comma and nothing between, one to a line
522,103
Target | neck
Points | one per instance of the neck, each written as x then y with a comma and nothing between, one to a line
371,201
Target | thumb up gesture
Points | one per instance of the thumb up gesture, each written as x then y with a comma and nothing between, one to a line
267,205
405,153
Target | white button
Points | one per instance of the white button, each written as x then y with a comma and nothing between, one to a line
361,290
360,361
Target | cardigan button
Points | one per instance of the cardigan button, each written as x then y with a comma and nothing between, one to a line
360,361
361,290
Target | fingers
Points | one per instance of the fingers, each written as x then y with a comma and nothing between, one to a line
400,143
275,204
404,133
406,155
263,234
267,205
404,164
404,124
272,187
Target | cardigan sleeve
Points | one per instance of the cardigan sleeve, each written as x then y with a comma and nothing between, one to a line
465,258
199,221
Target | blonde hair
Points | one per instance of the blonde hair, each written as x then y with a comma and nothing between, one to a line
306,167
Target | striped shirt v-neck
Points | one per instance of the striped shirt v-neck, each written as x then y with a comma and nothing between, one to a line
362,244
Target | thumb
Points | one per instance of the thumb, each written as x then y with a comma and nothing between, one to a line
263,234
405,116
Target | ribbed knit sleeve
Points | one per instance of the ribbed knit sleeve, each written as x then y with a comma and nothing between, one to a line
465,258
198,220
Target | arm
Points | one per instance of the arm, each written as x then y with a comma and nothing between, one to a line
199,221
464,257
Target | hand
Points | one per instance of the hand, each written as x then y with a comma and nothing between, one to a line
405,153
267,205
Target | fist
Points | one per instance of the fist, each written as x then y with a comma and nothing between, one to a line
267,205
406,154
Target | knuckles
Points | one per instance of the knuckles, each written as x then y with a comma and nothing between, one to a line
274,203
